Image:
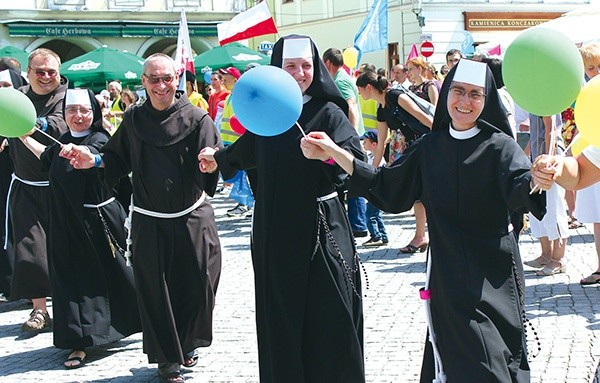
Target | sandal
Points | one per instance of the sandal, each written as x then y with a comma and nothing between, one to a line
411,249
173,377
547,270
537,264
191,359
574,223
590,279
79,360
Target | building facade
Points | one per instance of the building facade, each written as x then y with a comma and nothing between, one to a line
143,27
334,23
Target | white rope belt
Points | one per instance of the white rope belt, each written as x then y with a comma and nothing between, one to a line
26,182
101,204
326,197
155,214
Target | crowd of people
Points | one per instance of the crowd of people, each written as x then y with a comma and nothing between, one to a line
104,181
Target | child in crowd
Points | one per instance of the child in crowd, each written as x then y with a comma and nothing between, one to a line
375,223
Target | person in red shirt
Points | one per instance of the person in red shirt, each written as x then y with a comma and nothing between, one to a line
220,92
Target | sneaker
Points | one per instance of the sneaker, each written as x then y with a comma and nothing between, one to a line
238,211
225,189
38,320
3,299
372,242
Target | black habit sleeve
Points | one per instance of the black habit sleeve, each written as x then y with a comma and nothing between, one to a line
515,181
395,188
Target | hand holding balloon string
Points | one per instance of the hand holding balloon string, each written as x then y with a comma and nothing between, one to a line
18,115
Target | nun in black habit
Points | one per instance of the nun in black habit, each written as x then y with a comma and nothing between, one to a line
175,246
9,78
93,295
307,279
469,173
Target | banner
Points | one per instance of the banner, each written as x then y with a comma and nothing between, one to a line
256,21
373,33
183,55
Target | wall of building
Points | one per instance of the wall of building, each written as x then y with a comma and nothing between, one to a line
444,22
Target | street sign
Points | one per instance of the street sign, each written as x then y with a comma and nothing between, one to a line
427,49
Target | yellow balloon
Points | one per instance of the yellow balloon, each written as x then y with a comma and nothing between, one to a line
578,144
587,113
350,56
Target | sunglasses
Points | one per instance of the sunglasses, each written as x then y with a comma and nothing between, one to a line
74,109
156,79
42,73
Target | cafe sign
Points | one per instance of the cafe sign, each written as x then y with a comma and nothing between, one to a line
505,21
104,30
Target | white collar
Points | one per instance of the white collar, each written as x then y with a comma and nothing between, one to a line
306,98
464,134
80,134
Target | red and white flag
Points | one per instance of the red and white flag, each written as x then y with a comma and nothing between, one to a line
183,55
256,21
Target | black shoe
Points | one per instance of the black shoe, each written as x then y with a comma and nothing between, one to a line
373,242
358,234
385,241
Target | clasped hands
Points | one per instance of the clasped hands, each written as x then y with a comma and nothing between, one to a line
545,170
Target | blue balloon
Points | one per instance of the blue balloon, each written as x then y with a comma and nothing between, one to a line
207,76
267,100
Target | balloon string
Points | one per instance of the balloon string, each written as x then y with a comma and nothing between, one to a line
49,136
301,130
552,150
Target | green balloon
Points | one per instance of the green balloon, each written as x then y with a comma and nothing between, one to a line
17,113
543,71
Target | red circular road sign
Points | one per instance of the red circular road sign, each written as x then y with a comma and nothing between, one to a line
427,49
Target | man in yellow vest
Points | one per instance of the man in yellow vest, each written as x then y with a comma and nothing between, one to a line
117,107
190,88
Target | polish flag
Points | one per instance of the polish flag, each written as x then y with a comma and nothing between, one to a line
256,21
183,54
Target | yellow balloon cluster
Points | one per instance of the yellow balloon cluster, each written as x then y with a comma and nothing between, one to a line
587,116
577,145
350,56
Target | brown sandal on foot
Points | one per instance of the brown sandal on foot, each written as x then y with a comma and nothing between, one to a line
79,360
590,279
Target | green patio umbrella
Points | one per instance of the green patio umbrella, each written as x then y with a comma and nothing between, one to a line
18,53
94,69
232,54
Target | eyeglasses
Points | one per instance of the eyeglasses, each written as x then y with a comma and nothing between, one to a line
156,79
81,109
42,73
473,95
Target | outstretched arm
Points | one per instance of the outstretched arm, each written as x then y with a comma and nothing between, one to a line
81,157
319,146
33,145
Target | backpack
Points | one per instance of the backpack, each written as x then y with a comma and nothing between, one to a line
424,105
407,119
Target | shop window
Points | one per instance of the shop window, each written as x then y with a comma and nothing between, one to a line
65,4
187,3
126,3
